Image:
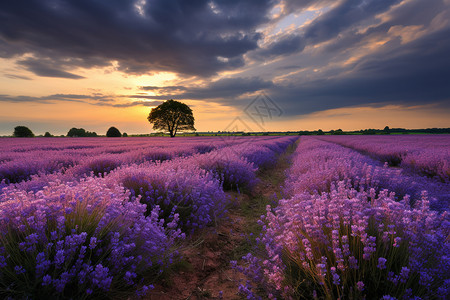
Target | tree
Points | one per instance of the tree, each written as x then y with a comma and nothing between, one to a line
125,134
22,131
47,134
113,132
337,132
172,116
386,130
80,132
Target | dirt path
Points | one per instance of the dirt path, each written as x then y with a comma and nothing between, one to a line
205,271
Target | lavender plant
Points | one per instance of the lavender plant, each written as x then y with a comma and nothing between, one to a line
428,155
191,193
233,171
321,163
80,241
343,245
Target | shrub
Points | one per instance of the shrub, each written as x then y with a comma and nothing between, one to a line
22,131
113,132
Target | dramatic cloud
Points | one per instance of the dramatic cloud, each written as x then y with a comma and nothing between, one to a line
347,14
191,37
307,55
225,88
42,69
95,99
286,45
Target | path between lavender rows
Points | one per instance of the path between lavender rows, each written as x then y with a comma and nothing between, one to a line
205,271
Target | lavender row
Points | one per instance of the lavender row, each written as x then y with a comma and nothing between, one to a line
20,159
424,154
336,236
78,159
320,163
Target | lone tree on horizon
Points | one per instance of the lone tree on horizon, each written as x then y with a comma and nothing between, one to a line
22,131
172,116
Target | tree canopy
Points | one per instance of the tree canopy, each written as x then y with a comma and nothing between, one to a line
113,132
80,132
172,116
22,131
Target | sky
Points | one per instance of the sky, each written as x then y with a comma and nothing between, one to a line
253,65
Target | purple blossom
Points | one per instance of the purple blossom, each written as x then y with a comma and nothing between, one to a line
19,270
93,243
46,280
381,263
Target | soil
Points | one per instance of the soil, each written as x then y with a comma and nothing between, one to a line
205,271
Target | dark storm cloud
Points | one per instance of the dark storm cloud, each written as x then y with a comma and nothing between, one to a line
225,88
345,15
94,99
296,5
42,69
192,37
289,44
414,75
204,37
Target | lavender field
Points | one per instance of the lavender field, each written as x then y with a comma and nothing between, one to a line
353,225
355,217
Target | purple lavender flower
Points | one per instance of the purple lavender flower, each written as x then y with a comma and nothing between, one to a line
46,280
19,270
93,243
381,263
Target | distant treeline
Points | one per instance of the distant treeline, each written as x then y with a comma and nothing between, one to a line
370,131
22,131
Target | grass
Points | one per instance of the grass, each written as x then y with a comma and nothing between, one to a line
252,209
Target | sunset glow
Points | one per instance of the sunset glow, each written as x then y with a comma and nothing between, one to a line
325,64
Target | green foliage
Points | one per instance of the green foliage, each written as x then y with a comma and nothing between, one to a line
48,134
113,132
337,132
80,132
125,134
369,131
22,131
172,116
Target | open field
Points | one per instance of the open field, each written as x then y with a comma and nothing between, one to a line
267,217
